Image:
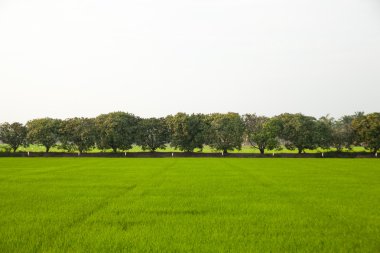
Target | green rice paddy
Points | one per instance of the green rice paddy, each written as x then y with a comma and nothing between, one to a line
189,205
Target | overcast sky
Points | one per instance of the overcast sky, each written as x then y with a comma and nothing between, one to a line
153,58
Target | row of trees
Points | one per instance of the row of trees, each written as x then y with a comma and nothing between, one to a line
225,132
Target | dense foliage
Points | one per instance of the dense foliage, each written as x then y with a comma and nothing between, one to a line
44,131
78,134
367,129
152,134
13,134
188,132
298,131
226,131
261,132
116,130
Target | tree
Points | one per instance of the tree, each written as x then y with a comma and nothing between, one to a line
297,131
323,134
43,131
13,134
226,131
367,128
343,133
152,134
78,134
261,132
116,130
187,132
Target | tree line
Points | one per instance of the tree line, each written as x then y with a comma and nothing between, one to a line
119,131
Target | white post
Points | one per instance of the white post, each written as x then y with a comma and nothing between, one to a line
125,153
273,154
28,153
78,153
323,155
376,154
172,154
222,153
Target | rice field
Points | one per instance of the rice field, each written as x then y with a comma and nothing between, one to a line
189,205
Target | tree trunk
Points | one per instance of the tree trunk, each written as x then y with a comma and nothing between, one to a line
47,149
114,150
225,151
300,150
262,151
14,149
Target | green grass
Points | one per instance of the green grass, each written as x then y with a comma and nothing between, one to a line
189,205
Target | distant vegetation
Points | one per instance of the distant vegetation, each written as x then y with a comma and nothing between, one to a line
121,131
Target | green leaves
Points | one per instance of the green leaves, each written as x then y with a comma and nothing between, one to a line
187,131
226,131
13,134
343,133
367,129
44,131
78,134
116,130
121,130
261,132
297,131
152,134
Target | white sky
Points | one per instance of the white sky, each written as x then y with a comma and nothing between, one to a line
153,58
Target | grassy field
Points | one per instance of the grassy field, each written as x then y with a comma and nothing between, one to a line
189,205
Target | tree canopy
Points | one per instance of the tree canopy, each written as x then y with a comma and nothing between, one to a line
226,131
119,131
367,128
152,134
116,130
343,133
13,134
78,134
187,132
298,131
44,131
261,132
